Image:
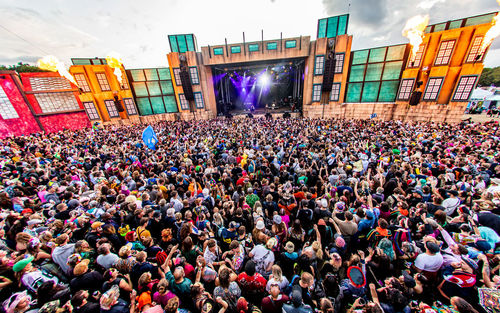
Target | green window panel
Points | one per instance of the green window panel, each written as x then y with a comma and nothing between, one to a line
236,49
392,70
157,104
154,88
395,53
138,75
290,43
164,73
253,47
359,57
331,30
140,89
151,74
439,27
218,51
170,104
428,29
357,73
354,92
272,45
190,42
81,61
370,92
322,28
342,25
374,71
377,55
173,43
483,19
388,91
166,87
144,106
181,40
455,24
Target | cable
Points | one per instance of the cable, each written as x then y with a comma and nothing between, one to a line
45,52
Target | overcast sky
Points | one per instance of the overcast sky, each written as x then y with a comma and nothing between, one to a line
137,30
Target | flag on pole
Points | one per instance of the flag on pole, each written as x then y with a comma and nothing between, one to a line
149,137
374,115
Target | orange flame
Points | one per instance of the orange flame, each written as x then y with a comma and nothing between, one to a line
492,33
414,31
51,63
115,61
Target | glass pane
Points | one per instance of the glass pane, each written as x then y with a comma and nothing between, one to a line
154,88
164,73
357,73
392,70
170,104
290,44
253,47
388,91
140,89
439,27
483,19
173,44
374,71
151,74
181,40
331,30
144,106
190,42
395,53
157,104
322,28
272,45
428,29
377,55
218,51
359,57
455,24
138,75
342,25
370,92
235,49
81,61
354,92
166,87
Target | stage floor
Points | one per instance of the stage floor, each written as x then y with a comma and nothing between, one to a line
262,111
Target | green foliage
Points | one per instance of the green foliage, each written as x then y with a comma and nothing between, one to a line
490,76
21,68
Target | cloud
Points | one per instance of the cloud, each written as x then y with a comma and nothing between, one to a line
428,4
31,59
362,12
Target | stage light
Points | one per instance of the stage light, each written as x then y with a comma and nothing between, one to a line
264,79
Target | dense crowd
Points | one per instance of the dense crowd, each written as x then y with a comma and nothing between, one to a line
252,215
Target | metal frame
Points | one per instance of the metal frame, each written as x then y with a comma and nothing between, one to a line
95,108
202,101
401,85
470,93
451,54
197,75
312,96
323,69
427,86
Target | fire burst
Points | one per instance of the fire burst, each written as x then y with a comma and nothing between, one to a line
115,61
414,31
492,33
51,63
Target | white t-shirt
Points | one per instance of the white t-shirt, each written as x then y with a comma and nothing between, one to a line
259,253
429,263
450,205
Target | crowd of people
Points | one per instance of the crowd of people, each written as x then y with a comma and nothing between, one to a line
252,216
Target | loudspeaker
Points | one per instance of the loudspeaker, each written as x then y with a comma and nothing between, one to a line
415,97
328,73
118,104
186,85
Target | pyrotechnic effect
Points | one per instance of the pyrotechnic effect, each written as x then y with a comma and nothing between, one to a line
492,33
115,61
51,63
414,31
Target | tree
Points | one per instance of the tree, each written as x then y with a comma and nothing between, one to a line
490,76
22,68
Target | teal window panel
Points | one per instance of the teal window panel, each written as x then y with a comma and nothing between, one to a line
173,43
395,53
166,87
81,61
157,104
181,40
342,30
428,29
360,57
354,92
377,55
218,51
144,106
170,104
253,47
151,74
392,70
290,43
236,49
154,88
272,45
331,30
322,28
164,73
190,42
439,27
357,73
483,19
138,75
140,89
388,91
455,24
370,92
374,71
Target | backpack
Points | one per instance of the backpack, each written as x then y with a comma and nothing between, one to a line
207,202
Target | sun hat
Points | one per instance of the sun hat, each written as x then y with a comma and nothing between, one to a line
277,219
260,225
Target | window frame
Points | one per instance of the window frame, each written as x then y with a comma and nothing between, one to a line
180,102
401,87
252,46
124,85
235,47
191,76
221,49
94,108
272,45
6,104
341,65
475,53
337,95
470,92
177,76
316,63
82,82
294,44
427,87
132,105
106,101
449,56
419,57
196,101
99,81
313,92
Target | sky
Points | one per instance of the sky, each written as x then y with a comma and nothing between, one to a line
138,30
